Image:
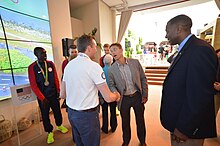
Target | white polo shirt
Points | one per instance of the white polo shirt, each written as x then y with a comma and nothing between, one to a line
81,76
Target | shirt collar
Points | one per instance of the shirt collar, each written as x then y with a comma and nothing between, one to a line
83,55
126,62
184,42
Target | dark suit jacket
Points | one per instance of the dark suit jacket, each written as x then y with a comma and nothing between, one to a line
188,95
117,83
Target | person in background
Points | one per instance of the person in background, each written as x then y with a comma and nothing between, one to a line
45,84
127,77
107,51
161,51
80,87
108,59
73,52
187,105
217,84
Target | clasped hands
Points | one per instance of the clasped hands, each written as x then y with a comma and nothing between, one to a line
117,95
217,86
144,100
45,103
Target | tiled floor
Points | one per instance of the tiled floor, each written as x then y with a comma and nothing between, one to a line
156,134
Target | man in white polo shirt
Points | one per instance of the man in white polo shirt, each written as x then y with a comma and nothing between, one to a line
81,81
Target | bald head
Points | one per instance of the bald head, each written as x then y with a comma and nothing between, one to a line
178,28
182,20
40,53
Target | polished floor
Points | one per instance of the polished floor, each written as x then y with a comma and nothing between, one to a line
156,134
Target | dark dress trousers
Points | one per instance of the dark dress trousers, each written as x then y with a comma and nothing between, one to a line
117,83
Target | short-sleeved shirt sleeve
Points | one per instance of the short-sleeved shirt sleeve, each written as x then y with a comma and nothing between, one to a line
97,74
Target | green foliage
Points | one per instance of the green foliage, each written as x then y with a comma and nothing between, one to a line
128,49
137,49
140,40
126,44
18,60
131,51
139,45
128,53
139,52
129,33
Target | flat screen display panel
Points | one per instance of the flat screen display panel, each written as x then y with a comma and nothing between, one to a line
24,26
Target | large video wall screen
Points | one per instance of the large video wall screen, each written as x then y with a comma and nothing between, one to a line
24,26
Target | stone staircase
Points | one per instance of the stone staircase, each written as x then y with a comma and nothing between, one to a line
156,74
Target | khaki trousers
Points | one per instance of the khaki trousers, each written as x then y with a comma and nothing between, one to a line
189,142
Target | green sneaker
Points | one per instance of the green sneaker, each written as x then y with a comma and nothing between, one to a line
62,129
50,138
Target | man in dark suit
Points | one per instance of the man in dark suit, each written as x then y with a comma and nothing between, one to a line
127,77
187,106
217,84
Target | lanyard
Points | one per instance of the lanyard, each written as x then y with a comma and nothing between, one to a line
83,55
46,70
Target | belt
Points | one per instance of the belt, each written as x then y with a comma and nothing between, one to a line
131,95
88,110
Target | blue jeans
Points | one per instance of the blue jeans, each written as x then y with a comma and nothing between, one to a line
85,126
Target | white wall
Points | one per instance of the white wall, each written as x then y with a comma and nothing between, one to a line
97,14
89,15
60,25
106,23
77,27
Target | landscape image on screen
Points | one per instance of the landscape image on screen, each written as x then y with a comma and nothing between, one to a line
24,25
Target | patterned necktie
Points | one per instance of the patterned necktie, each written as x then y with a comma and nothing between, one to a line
172,58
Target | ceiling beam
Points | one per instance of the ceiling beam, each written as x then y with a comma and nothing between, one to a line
152,5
